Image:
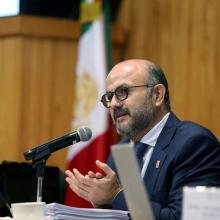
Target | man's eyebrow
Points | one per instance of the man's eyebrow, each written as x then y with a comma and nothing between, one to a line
123,84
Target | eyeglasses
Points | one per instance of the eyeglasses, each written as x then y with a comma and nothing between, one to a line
121,93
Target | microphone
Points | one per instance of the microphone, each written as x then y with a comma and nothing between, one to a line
82,134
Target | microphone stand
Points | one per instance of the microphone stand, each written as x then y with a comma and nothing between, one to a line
39,162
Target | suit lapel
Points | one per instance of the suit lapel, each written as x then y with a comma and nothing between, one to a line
159,155
156,162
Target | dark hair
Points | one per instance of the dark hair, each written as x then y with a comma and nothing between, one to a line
157,76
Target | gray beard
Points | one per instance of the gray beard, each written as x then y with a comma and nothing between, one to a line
140,120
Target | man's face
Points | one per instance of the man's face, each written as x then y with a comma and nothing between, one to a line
133,115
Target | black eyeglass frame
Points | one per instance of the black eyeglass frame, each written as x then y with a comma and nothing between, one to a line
127,88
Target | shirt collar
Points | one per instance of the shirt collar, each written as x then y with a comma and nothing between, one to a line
151,137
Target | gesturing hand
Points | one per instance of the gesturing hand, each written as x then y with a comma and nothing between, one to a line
95,187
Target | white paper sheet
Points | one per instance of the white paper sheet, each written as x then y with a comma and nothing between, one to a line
201,203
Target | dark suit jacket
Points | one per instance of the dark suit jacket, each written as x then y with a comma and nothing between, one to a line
189,156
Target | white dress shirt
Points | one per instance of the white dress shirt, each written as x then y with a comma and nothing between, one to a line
151,139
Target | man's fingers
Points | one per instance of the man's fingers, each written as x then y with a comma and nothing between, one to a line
99,175
76,183
91,174
80,177
69,173
70,177
80,192
75,178
104,167
69,180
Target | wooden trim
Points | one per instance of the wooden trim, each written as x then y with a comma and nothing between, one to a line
58,28
39,27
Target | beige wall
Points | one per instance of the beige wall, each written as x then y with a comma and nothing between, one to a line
183,37
37,67
37,74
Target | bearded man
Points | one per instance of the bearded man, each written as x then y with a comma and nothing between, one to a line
138,100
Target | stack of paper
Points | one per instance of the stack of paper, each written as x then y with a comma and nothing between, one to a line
55,211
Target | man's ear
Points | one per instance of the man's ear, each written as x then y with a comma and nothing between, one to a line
158,94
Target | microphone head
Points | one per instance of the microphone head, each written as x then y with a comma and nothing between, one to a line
84,133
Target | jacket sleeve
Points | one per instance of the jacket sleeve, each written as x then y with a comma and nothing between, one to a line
197,163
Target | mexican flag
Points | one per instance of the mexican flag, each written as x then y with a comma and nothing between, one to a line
92,68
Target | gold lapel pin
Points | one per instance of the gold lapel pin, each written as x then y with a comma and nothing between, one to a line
157,164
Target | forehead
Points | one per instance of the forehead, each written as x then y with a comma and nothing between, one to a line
130,73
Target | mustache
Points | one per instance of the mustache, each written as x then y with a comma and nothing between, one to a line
120,111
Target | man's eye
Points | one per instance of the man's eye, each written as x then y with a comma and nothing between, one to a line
109,95
122,90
